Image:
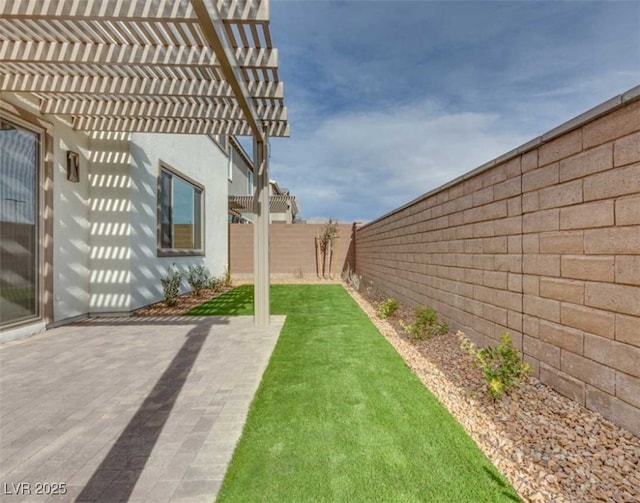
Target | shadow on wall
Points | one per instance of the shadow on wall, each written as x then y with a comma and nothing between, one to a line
109,228
146,269
350,258
73,251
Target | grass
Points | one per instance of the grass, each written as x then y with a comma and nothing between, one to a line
339,416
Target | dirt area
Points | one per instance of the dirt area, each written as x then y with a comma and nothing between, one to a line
549,447
185,303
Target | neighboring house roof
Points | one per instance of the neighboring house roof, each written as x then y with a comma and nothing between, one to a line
277,204
179,66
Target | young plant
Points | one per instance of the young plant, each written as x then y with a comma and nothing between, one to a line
171,285
198,278
350,277
502,367
328,234
426,324
387,308
226,278
215,284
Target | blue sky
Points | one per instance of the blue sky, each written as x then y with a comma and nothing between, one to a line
390,99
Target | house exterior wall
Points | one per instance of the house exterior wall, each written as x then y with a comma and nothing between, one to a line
543,243
198,158
239,182
110,224
103,229
292,249
71,219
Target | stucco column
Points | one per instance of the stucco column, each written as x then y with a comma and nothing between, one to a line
261,231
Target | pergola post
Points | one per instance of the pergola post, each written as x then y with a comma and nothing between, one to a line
261,231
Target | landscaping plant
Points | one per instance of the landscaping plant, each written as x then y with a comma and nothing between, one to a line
501,365
226,278
215,284
387,308
329,233
171,285
198,278
426,324
351,278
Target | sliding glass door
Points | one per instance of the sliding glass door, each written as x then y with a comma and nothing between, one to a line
19,224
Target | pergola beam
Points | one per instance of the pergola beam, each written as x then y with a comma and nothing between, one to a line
213,29
174,126
129,86
251,11
261,272
129,54
147,109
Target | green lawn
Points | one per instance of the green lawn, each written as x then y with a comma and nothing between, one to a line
340,417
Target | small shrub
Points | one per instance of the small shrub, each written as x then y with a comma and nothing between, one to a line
426,324
387,308
215,284
226,277
351,278
198,278
171,285
502,367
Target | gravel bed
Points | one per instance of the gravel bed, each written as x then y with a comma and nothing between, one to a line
549,447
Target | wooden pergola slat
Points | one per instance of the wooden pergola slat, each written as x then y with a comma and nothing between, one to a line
96,52
85,60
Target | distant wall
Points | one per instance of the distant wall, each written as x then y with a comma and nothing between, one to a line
292,249
544,243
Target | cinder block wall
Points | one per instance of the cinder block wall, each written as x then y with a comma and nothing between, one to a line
543,243
292,249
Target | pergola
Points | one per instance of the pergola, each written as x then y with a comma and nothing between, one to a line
158,66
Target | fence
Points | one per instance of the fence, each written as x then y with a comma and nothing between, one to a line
292,250
543,243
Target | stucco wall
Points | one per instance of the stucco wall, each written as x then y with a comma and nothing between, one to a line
201,160
104,226
543,243
239,182
292,249
71,215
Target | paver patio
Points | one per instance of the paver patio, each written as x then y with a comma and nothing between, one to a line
135,409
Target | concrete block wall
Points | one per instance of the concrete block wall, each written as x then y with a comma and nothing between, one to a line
543,243
292,249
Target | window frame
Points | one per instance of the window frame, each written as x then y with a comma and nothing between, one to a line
40,223
164,167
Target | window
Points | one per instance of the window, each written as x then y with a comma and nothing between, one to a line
19,224
180,214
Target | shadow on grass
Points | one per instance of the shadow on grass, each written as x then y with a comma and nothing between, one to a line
236,302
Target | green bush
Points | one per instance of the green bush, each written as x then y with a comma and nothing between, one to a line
502,367
171,285
198,278
387,308
426,324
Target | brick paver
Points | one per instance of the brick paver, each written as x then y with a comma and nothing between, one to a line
136,409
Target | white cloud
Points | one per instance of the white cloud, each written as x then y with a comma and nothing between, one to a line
361,164
393,99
